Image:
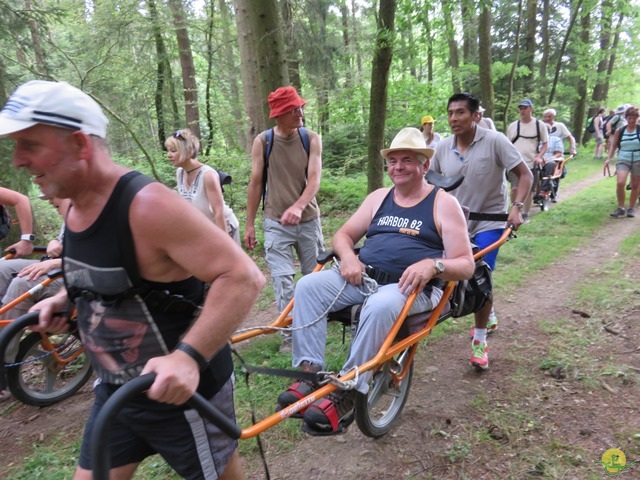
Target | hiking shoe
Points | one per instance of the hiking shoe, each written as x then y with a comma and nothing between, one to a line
332,414
492,326
479,358
299,389
618,212
5,395
630,213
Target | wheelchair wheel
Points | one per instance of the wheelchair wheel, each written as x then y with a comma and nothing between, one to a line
43,380
378,410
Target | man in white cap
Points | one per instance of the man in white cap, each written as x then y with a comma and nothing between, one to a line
135,259
414,233
485,122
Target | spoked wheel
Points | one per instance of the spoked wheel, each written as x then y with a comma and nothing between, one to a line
47,377
378,410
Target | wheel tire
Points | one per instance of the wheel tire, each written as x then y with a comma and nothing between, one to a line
44,381
380,408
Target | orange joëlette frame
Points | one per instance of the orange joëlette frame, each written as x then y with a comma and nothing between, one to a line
387,351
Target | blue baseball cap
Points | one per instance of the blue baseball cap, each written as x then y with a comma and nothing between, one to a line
525,103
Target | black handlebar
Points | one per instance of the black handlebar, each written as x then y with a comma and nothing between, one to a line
7,333
102,424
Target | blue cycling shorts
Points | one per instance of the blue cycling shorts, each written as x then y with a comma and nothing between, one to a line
484,239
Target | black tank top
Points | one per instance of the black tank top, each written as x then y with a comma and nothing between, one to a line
121,331
398,237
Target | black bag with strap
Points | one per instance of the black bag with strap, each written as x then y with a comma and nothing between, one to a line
469,296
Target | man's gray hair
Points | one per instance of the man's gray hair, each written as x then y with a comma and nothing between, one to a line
422,158
552,111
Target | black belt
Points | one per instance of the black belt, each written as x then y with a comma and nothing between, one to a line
155,300
493,217
380,276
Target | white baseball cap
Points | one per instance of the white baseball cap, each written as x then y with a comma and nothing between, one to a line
52,103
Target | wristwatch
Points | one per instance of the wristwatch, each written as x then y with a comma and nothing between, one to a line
29,237
439,267
519,205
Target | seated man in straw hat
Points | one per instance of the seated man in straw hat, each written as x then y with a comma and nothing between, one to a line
414,233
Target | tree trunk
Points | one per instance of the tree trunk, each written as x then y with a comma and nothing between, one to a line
612,57
600,89
450,33
190,88
230,62
484,59
563,48
262,54
544,48
161,74
291,45
378,101
581,88
529,54
426,22
41,64
514,65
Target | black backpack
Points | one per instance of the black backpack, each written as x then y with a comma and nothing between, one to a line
591,128
268,146
469,296
614,125
5,222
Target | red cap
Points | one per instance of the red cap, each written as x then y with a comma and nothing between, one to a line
283,100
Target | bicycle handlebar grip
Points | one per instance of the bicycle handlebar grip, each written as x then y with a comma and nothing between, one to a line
102,424
7,333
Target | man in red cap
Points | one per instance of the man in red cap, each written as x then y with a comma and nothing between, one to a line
285,172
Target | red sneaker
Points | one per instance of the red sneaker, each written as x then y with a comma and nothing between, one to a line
479,358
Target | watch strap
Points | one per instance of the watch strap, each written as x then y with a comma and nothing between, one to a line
194,354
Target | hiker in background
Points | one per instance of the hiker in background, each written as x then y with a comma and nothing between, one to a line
485,122
199,183
530,137
431,138
611,123
626,140
22,207
286,165
597,131
21,275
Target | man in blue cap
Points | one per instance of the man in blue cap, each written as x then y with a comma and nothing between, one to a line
529,135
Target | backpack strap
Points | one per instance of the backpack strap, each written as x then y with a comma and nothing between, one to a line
268,146
515,139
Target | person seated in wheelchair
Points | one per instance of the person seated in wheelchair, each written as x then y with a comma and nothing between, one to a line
20,275
555,154
414,233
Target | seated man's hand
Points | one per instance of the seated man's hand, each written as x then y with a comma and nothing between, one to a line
36,270
417,276
351,269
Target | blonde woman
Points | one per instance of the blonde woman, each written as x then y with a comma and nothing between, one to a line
200,183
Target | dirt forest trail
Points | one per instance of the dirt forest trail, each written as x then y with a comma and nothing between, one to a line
444,391
443,405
